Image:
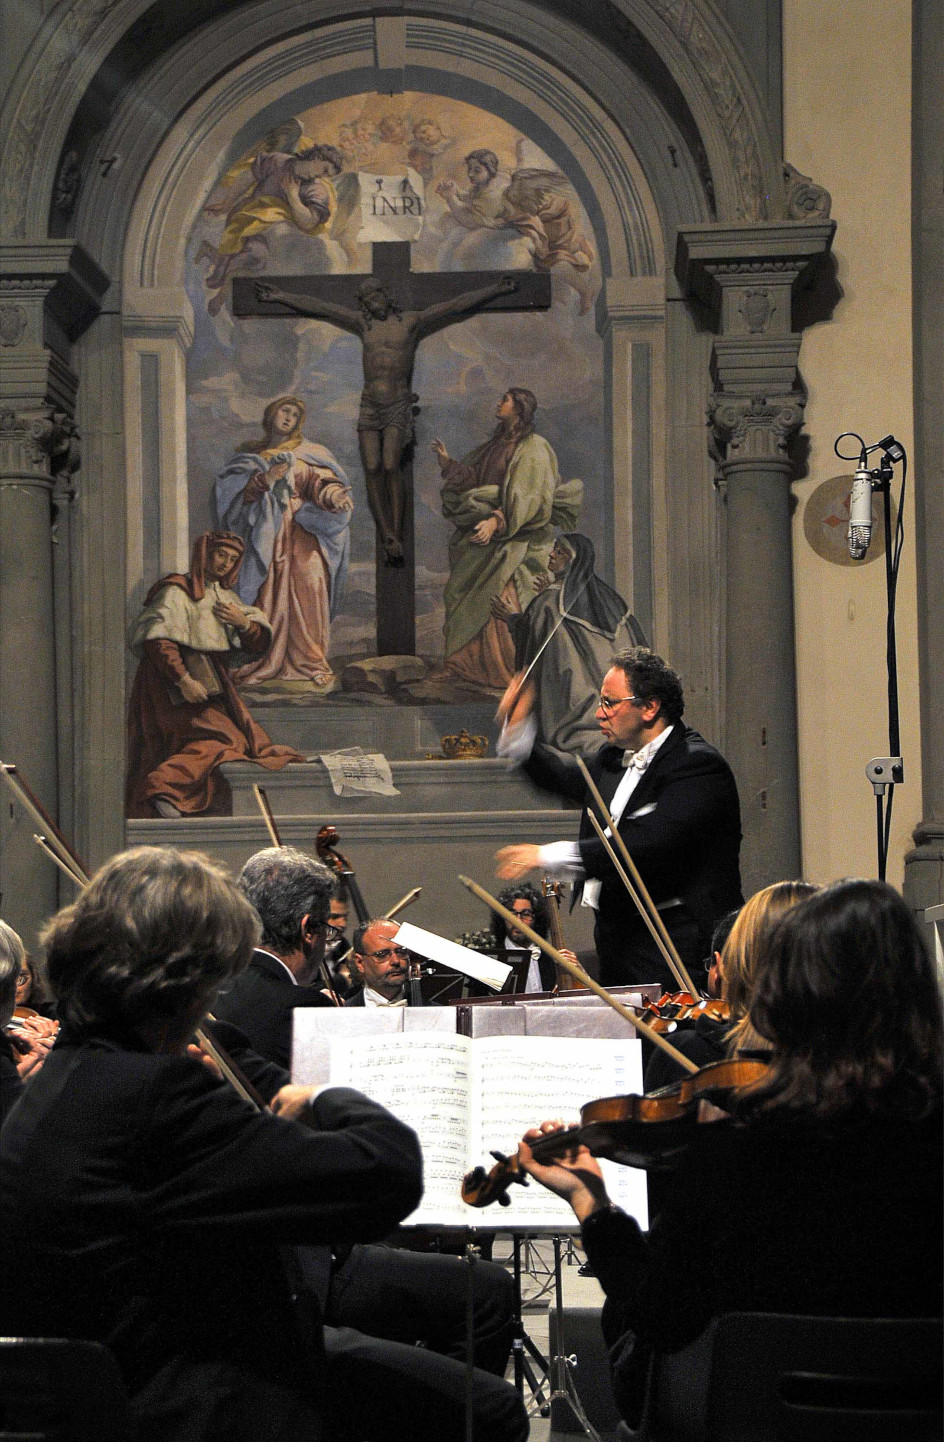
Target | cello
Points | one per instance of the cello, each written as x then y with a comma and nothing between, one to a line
326,846
326,849
566,981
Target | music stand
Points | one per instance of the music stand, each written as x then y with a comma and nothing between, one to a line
520,962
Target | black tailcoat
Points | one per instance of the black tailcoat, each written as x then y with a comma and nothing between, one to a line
682,827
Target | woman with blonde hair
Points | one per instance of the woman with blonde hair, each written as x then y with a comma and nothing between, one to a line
707,1040
743,950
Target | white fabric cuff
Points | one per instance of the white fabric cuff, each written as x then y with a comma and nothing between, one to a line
561,858
516,743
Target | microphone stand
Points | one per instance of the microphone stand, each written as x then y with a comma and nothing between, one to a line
885,772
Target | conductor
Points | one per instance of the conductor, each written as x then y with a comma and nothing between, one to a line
674,799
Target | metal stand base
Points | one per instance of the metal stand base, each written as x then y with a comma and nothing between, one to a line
563,1387
523,1346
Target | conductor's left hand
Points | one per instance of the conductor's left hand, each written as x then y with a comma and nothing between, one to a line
516,861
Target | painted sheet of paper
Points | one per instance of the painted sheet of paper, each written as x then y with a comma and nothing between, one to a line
392,206
436,948
356,772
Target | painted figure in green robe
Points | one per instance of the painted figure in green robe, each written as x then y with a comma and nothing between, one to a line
505,500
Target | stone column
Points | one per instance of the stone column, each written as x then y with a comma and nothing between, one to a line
924,866
48,293
631,321
746,277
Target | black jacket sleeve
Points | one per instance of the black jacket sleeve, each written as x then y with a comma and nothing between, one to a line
210,1160
555,772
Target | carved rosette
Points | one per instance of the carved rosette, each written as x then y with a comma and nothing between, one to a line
754,427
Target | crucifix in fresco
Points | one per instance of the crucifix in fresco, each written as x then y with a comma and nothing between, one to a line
391,310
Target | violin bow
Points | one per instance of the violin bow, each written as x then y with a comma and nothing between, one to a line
262,801
52,840
516,921
646,910
57,860
671,957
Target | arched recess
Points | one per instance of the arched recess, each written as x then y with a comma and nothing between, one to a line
636,162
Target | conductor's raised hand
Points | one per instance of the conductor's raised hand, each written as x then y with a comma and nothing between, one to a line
575,1175
513,862
518,701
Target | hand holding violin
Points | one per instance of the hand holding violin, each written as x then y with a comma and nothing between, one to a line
575,1175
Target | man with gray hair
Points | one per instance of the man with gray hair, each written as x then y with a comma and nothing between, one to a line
377,1302
292,894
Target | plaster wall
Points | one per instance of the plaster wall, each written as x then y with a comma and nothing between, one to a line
847,123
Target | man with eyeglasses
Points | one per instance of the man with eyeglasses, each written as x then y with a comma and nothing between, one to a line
382,966
675,802
395,1321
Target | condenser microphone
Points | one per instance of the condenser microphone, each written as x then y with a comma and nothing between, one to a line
860,512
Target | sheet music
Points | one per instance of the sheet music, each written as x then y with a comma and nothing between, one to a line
519,1082
425,1080
476,964
356,772
466,1097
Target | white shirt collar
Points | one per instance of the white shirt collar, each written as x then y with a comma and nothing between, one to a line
640,759
374,998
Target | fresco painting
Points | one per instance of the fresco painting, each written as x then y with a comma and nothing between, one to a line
288,204
275,458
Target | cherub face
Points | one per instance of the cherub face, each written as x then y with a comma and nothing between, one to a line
477,172
392,129
364,132
427,132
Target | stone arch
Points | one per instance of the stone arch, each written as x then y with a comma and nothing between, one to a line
650,187
74,49
291,76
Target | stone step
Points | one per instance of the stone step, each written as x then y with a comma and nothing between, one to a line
446,787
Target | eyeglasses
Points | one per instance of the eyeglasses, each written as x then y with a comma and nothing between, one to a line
609,703
389,951
525,913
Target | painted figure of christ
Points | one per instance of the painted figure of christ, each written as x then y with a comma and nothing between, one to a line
389,340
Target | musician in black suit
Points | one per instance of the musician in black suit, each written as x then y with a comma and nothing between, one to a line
292,894
381,966
144,1204
676,804
378,1301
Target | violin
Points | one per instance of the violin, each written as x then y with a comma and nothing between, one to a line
326,848
552,895
651,1131
676,1006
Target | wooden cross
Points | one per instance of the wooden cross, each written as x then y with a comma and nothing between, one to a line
434,300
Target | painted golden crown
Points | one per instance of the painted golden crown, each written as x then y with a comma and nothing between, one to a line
464,747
